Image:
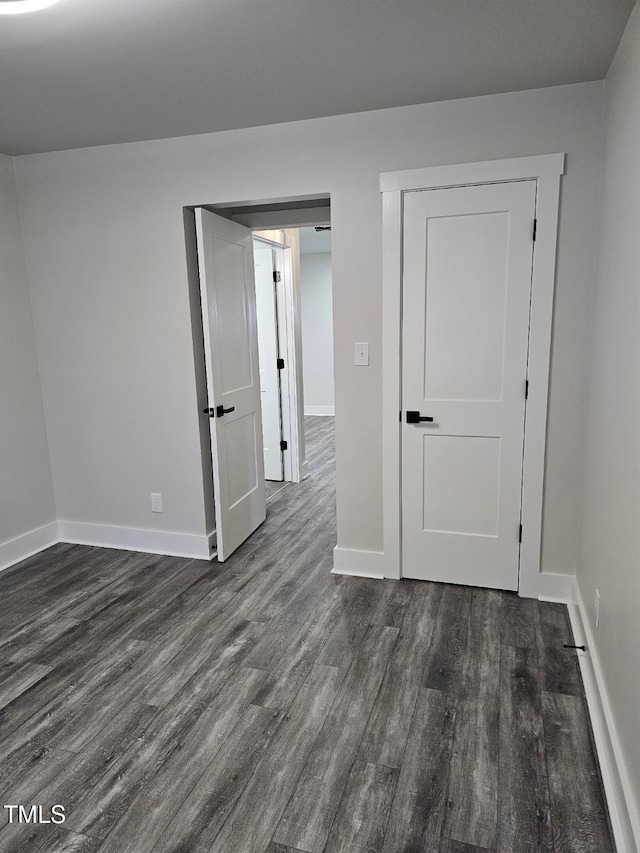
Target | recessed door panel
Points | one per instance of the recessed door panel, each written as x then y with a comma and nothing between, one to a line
466,295
461,484
232,315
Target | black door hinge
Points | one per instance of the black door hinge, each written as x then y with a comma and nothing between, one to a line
280,363
276,276
283,445
535,229
526,389
520,534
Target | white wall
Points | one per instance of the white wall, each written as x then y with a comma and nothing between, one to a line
105,251
610,539
26,492
317,332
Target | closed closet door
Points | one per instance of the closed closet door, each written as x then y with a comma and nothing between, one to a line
467,263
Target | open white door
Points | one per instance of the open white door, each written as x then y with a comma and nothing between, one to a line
225,259
268,355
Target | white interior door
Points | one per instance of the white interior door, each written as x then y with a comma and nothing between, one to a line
268,353
467,261
225,259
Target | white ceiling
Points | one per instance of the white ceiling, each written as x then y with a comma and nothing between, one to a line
90,72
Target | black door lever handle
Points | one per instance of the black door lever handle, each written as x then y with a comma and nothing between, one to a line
218,412
221,411
416,418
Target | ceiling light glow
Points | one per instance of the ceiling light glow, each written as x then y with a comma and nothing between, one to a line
19,7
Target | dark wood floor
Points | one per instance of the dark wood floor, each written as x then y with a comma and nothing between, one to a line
272,487
266,706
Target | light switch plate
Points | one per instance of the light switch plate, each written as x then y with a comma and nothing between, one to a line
361,354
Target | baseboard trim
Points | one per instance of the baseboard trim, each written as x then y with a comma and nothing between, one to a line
360,564
623,810
320,411
136,539
558,588
22,547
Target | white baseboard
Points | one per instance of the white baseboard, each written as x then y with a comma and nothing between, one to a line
623,809
360,564
320,411
552,587
15,550
136,539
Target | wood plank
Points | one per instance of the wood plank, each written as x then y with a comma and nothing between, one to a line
307,819
198,821
447,845
524,816
386,735
413,825
64,778
112,793
42,839
254,817
19,680
50,703
559,666
473,779
518,621
280,848
162,796
284,629
363,603
421,800
227,642
578,812
361,821
449,645
291,671
425,769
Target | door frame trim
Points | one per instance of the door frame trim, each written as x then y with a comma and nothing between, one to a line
546,170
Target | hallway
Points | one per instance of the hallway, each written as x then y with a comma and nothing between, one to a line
263,704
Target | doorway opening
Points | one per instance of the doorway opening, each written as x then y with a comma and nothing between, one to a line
275,341
261,307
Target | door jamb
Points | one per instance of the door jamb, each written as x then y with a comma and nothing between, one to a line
546,170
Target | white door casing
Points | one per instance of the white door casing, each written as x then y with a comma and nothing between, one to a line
546,170
225,260
268,352
467,263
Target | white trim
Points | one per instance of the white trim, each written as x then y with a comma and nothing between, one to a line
558,588
546,170
320,411
15,550
136,539
360,564
535,430
466,174
623,810
289,320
